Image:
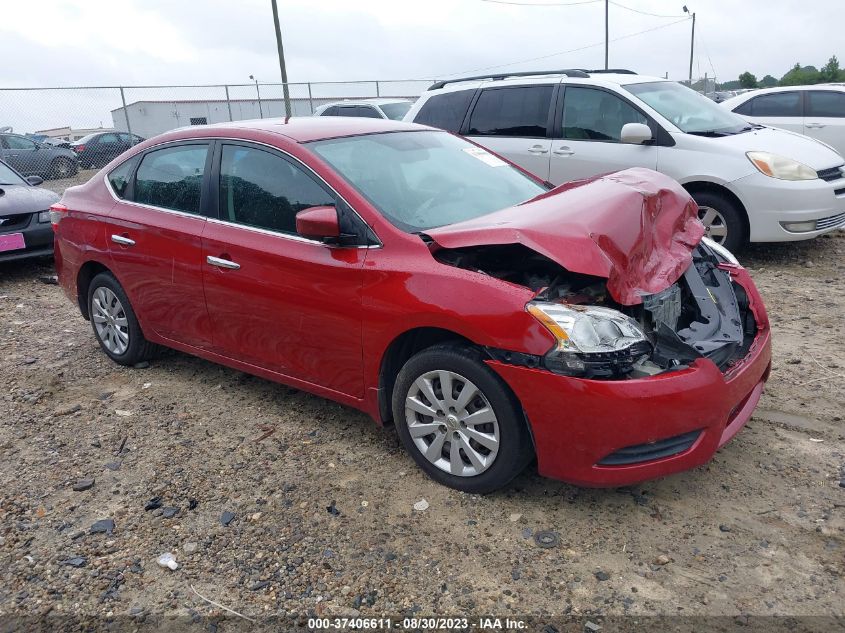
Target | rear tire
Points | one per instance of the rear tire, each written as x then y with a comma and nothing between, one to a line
115,325
477,454
62,168
723,219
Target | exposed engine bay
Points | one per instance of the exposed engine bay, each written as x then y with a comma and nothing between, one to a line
703,314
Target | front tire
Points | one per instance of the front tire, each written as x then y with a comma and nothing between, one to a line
723,219
115,325
459,421
62,168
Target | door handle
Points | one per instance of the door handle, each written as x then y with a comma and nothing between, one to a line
814,125
537,149
563,151
222,263
122,240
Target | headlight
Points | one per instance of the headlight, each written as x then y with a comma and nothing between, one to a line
781,167
43,217
721,251
590,341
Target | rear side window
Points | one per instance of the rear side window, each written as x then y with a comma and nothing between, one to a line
171,178
262,189
120,176
826,103
330,111
596,115
517,111
445,110
777,104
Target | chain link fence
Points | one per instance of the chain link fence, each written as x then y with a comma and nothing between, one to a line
41,128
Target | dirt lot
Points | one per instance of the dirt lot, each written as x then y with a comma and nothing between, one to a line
323,506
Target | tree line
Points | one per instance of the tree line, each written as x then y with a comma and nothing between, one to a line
798,75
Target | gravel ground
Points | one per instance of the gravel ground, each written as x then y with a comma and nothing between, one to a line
322,501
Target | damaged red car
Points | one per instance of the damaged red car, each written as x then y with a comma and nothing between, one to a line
403,271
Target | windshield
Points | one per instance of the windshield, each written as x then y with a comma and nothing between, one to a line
421,180
8,177
691,112
395,111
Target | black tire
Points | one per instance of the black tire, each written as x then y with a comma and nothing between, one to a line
62,168
138,349
734,218
515,449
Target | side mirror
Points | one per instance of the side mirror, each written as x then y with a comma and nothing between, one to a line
318,223
636,133
34,180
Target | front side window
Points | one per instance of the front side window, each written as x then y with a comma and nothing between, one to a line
826,103
264,190
395,111
596,115
516,111
421,180
445,110
786,104
19,142
688,110
171,178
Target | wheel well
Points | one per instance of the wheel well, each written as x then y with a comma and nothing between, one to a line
694,187
87,272
398,352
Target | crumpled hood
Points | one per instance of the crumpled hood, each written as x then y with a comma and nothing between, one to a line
17,199
635,227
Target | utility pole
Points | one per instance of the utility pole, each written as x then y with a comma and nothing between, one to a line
606,32
281,58
691,44
258,92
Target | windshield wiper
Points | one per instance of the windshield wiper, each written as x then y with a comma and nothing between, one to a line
712,133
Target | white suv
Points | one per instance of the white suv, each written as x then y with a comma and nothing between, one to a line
817,111
751,182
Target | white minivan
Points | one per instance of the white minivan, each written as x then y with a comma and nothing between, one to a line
752,183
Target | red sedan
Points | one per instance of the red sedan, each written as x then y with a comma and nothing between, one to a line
413,275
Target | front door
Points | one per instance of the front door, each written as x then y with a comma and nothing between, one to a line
277,300
22,154
154,235
590,140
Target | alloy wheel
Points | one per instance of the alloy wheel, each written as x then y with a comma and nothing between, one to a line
110,320
715,226
452,423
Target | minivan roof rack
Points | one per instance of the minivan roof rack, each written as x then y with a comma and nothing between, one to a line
614,71
569,72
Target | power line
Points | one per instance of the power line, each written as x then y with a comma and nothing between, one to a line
542,4
573,50
654,15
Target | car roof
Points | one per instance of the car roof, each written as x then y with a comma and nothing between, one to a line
378,102
304,129
746,96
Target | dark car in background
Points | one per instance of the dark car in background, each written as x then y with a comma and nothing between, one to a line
25,229
32,158
97,150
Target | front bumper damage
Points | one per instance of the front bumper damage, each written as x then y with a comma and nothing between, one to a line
618,432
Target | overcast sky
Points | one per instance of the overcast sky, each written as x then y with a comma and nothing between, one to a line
106,42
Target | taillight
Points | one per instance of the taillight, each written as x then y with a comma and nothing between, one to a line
78,148
57,212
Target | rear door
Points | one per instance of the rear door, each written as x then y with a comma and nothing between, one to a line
589,131
515,121
783,110
824,117
277,300
154,235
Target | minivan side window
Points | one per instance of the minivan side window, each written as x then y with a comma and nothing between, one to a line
262,189
596,115
826,103
777,104
515,111
445,110
171,178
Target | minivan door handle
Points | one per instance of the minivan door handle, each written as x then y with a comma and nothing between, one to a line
538,149
122,240
814,125
222,263
563,151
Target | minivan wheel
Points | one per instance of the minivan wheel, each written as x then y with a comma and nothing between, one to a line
114,322
724,223
62,168
459,420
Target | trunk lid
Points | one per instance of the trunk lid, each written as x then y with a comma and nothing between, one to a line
636,227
